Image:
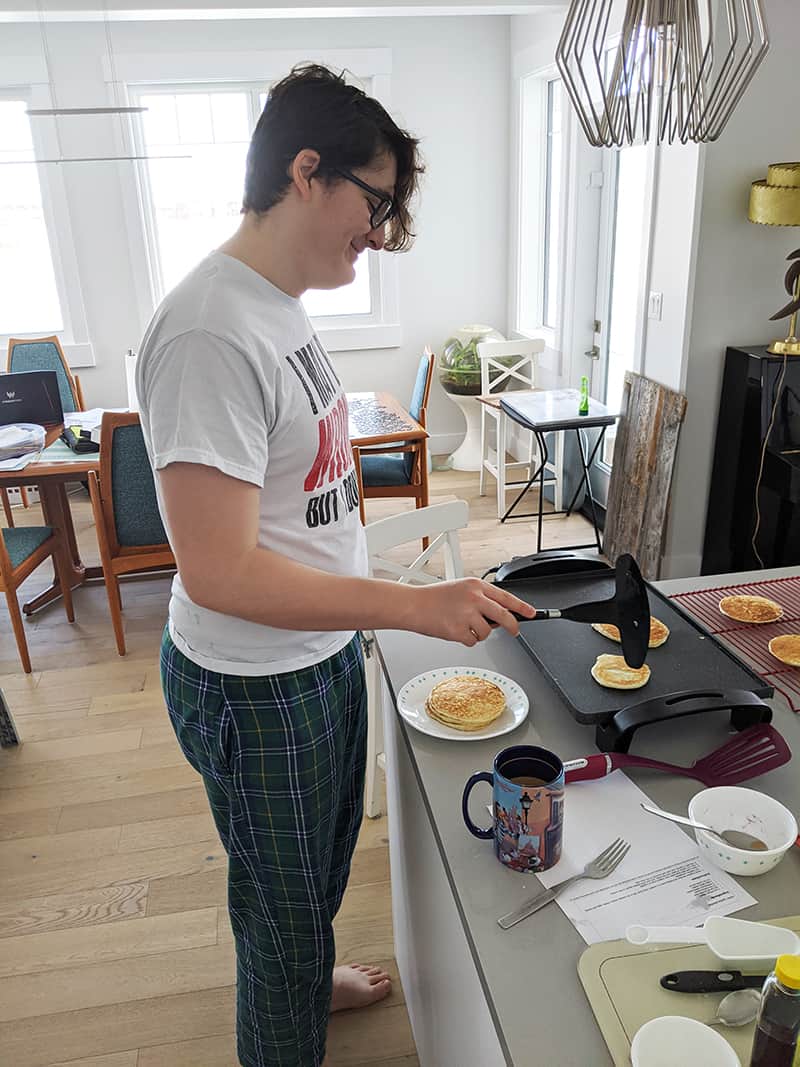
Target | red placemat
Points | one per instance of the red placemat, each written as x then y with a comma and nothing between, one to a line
750,640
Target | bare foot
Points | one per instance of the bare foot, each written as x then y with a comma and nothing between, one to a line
357,986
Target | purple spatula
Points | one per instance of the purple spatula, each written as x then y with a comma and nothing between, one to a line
754,751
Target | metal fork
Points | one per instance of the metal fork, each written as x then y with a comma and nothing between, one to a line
600,867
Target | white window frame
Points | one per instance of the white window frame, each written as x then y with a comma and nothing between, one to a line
16,84
529,207
204,72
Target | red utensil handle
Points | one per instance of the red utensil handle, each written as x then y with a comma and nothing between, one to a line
589,767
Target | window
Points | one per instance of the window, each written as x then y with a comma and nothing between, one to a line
541,206
192,197
552,207
621,275
30,302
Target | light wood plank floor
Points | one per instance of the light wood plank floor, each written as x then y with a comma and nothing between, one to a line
115,948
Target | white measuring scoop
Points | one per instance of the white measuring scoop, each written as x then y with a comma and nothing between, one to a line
741,944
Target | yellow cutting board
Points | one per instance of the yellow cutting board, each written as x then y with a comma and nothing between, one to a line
622,983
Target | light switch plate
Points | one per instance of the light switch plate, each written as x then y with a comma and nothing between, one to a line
654,305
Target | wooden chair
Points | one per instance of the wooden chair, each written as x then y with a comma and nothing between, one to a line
401,470
440,524
46,353
42,353
130,533
511,365
21,552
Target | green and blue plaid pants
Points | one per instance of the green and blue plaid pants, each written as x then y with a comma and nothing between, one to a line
282,759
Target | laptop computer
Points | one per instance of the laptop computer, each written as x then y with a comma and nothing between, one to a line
30,396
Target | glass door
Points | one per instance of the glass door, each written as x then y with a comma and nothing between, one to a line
625,230
622,255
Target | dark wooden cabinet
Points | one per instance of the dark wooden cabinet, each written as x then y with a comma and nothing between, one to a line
752,379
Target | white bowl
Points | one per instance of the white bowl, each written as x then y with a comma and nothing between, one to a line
674,1041
731,807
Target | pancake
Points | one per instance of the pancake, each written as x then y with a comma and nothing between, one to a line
466,702
658,631
757,609
786,648
614,673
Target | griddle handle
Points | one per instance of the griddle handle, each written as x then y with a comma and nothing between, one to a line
616,734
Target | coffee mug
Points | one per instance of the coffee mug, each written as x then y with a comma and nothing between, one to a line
528,802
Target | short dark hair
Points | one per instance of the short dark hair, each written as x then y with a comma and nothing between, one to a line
313,107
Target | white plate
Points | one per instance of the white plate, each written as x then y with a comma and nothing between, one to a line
411,704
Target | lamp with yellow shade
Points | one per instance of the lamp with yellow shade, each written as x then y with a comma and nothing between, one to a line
775,201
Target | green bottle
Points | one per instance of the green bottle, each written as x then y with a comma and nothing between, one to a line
583,406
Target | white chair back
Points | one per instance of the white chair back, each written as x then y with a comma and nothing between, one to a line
438,522
497,376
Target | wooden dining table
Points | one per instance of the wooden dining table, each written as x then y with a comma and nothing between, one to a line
378,418
375,418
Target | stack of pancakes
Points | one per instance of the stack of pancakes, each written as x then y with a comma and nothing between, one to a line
466,702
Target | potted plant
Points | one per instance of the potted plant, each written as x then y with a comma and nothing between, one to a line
459,365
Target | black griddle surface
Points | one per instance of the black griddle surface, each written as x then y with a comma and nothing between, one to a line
690,660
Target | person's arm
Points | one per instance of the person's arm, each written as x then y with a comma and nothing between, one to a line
213,522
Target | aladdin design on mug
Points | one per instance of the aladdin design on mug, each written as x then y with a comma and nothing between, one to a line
528,802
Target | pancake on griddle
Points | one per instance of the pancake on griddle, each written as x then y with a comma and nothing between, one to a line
614,673
466,702
658,631
758,609
786,648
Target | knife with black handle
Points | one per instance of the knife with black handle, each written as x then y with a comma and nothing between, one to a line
711,981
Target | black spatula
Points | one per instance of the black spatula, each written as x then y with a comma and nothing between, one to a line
628,610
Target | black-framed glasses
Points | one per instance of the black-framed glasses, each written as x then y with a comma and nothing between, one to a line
381,212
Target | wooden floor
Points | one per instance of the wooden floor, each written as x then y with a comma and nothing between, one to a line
115,948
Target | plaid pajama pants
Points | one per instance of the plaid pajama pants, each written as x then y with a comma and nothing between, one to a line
282,759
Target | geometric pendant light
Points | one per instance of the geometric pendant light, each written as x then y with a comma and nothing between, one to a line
659,70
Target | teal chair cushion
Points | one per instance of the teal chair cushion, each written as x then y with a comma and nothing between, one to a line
418,392
43,355
133,491
384,470
22,541
415,409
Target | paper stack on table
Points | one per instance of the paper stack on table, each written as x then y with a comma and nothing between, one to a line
16,463
90,420
662,881
20,444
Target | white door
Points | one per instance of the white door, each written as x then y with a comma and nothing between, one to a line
622,267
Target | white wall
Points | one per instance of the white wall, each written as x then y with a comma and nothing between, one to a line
449,86
738,279
677,182
533,43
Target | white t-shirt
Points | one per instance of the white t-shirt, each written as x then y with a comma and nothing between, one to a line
231,375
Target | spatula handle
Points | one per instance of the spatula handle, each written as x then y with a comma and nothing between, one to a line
541,613
587,768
